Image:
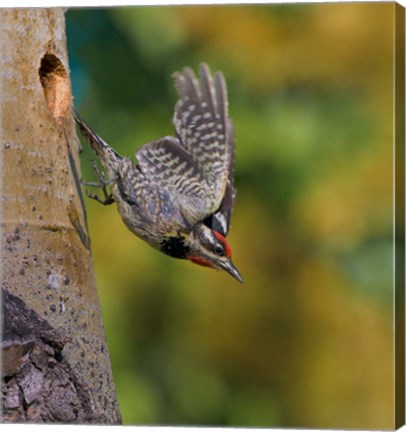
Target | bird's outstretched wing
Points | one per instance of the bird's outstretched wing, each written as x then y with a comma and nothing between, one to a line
206,132
176,178
190,178
220,220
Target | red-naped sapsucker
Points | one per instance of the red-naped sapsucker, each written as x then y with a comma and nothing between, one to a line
180,195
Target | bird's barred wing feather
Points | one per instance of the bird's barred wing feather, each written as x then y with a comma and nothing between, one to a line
220,220
176,177
204,129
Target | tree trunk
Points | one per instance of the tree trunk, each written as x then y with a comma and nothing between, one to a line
56,365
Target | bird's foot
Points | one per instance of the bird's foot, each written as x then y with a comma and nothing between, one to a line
101,184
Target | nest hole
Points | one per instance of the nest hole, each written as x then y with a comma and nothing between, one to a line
55,83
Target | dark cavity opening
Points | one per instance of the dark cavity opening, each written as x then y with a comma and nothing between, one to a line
55,82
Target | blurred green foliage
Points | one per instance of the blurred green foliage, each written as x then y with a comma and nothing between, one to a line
306,341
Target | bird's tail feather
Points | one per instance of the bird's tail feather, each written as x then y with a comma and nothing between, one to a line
107,155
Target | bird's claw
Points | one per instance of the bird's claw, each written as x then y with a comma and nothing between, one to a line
108,198
101,184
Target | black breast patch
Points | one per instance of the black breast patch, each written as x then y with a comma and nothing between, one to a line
175,247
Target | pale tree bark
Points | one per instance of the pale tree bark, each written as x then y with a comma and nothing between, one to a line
55,361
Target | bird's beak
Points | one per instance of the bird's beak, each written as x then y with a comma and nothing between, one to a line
230,268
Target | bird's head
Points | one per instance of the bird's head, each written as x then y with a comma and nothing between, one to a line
209,248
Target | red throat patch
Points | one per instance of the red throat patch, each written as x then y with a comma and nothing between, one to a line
200,261
227,248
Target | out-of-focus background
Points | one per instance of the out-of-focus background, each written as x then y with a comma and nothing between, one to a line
306,341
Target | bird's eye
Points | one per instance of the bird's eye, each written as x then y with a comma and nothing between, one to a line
218,250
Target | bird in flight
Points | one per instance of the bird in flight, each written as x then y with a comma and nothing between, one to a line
180,195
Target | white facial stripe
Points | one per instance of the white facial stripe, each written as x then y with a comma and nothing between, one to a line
222,221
